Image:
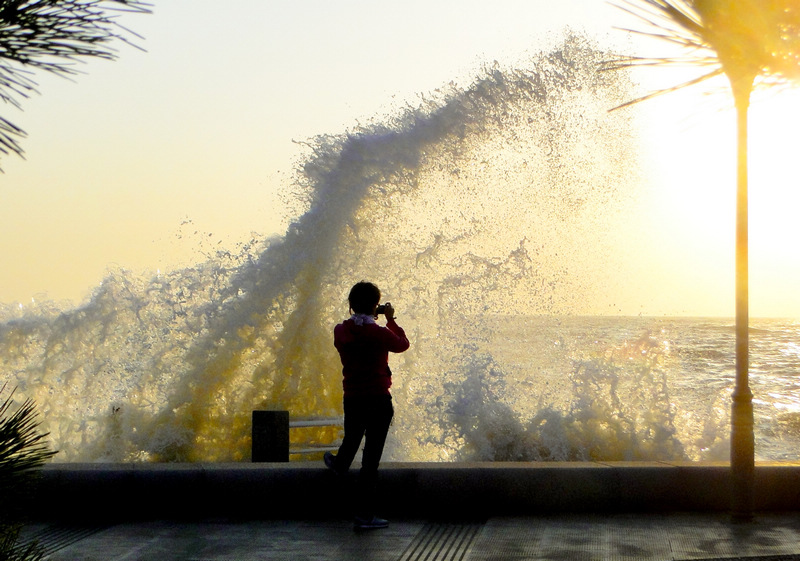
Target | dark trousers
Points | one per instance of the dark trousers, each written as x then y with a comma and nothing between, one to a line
368,419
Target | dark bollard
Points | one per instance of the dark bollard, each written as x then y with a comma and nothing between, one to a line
270,436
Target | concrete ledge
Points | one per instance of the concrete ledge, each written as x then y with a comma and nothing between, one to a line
115,492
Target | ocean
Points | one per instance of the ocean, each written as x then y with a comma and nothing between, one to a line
489,221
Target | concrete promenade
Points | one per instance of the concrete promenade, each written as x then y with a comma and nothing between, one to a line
563,537
469,512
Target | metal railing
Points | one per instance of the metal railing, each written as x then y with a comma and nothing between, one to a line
314,422
271,435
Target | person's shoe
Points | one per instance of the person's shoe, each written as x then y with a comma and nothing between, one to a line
330,461
373,523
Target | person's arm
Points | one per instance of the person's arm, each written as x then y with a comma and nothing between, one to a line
396,341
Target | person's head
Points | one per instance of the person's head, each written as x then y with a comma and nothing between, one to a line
364,297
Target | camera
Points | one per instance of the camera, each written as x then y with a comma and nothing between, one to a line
380,310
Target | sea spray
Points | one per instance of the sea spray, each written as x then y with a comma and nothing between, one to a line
491,199
612,402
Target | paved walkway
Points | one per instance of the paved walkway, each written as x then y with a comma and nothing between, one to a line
565,537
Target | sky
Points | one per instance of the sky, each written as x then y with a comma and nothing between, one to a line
151,161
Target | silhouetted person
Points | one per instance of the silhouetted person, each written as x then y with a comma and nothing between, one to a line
364,348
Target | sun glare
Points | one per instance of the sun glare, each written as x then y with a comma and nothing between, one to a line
689,141
774,182
774,200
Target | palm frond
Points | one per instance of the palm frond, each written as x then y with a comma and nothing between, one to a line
651,95
23,449
52,36
674,22
678,16
619,63
747,40
12,550
9,133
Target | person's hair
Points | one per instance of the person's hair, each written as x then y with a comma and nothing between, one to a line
364,296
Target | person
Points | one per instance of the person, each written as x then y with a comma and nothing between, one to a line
364,348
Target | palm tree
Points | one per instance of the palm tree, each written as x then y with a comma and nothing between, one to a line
23,451
50,36
751,42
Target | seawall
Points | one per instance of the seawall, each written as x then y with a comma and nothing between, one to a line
115,492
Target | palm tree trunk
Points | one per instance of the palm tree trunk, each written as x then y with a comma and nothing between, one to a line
742,440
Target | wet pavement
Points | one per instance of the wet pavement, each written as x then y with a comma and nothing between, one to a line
658,537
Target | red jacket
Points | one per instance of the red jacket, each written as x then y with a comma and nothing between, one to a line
364,350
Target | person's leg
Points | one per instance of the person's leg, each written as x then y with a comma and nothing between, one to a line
380,414
355,425
377,428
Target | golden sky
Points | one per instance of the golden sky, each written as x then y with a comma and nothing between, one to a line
150,161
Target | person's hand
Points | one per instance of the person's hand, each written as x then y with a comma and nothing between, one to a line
389,311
